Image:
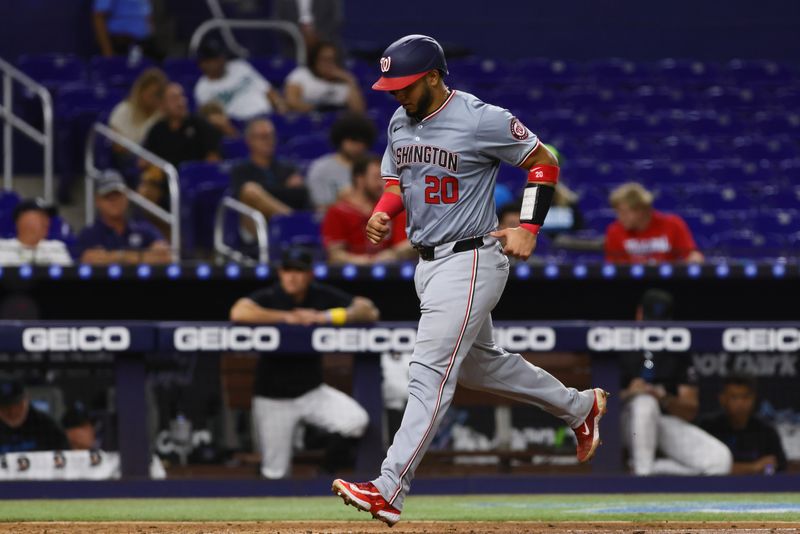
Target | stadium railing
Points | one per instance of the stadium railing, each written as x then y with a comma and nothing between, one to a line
10,120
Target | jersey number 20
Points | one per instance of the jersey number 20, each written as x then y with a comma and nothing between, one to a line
441,190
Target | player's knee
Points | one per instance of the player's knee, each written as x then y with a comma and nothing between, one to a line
718,460
355,424
644,406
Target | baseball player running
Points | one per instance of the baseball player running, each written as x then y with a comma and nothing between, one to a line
440,164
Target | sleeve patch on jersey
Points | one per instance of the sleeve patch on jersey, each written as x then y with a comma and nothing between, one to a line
518,130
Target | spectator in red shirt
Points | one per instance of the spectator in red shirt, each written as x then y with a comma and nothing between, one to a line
343,226
642,234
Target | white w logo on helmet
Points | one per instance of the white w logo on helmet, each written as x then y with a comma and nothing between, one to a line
386,62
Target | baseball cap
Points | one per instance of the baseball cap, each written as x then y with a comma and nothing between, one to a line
11,391
76,415
210,49
296,258
109,181
407,60
34,204
657,305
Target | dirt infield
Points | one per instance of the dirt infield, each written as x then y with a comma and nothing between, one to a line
410,527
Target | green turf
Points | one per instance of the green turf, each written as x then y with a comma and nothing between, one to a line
653,507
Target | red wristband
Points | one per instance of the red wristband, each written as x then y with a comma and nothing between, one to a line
543,174
390,203
532,228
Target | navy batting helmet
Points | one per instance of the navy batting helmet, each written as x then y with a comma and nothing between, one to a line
407,60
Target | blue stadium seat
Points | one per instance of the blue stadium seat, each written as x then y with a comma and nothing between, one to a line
234,149
53,70
182,69
202,186
744,71
274,69
116,71
307,146
8,201
298,229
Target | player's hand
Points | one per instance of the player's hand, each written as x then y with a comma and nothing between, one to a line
378,227
303,317
517,242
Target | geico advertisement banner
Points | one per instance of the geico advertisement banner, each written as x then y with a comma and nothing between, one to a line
77,337
18,336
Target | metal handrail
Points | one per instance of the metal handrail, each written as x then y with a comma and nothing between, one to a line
227,35
44,138
283,26
261,231
172,218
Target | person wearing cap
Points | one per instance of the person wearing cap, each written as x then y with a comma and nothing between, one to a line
31,246
114,238
79,428
234,83
24,428
289,390
324,84
331,175
643,234
660,400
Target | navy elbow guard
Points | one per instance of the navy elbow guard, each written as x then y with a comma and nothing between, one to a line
536,202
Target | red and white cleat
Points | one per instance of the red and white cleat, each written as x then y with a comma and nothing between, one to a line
588,434
366,497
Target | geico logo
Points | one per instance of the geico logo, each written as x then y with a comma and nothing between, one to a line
520,338
84,339
363,339
761,339
649,338
238,338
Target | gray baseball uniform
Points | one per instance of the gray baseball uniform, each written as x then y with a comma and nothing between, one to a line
446,165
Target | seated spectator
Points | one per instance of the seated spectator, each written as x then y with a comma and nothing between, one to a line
124,26
265,182
659,400
643,234
134,116
330,175
343,227
755,445
234,83
31,246
23,428
177,137
289,390
79,428
324,84
113,238
214,113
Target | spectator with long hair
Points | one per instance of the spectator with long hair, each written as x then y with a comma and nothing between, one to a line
324,84
135,115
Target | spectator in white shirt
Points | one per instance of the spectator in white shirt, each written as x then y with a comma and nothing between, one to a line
323,85
32,219
235,84
329,176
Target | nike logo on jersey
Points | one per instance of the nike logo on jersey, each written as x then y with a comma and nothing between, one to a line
396,128
585,429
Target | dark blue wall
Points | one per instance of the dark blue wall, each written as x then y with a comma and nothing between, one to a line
637,29
579,29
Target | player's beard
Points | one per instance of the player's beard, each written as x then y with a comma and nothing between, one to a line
423,104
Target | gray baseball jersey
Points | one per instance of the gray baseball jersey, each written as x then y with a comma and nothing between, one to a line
447,164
